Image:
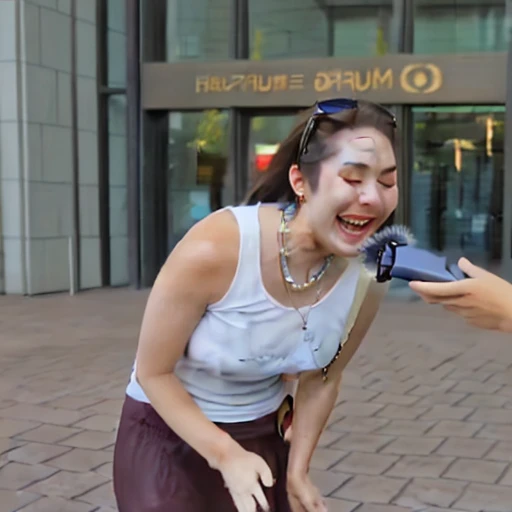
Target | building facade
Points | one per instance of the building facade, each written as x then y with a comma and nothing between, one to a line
124,122
63,145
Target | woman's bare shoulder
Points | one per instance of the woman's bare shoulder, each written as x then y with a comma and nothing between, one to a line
207,255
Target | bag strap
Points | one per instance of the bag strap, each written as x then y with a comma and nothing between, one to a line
363,284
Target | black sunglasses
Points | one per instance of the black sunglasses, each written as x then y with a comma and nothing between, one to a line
326,108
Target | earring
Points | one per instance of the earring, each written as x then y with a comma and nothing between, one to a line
301,199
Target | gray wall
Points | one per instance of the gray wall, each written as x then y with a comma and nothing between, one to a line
36,145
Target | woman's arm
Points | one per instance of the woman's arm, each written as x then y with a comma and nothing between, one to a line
185,286
197,273
315,400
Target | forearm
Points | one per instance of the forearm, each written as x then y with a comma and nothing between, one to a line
179,411
315,398
314,402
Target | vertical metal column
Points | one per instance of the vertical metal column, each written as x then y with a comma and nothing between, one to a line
403,17
133,137
239,122
74,248
155,209
507,168
329,12
103,134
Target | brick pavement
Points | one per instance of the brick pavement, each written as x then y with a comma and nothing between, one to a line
423,422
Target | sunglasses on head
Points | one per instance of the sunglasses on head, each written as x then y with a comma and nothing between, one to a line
329,107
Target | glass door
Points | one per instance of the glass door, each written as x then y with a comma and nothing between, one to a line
198,160
457,181
266,132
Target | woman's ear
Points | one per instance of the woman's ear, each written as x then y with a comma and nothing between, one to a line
297,181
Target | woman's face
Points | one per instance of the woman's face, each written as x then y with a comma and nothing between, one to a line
357,190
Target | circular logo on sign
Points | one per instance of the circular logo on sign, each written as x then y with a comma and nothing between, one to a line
421,78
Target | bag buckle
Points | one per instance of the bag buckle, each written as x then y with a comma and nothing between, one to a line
284,416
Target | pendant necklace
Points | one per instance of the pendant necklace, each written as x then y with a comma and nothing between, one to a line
288,279
305,317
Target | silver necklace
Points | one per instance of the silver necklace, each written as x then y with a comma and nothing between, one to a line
287,213
304,317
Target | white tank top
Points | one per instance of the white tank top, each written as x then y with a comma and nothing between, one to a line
247,340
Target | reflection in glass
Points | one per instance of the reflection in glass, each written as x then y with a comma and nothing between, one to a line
456,27
118,197
363,31
266,133
457,180
116,34
281,29
198,156
198,29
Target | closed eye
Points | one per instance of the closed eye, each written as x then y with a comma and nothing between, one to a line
387,185
356,182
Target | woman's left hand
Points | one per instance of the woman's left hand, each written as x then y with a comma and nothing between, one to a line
304,496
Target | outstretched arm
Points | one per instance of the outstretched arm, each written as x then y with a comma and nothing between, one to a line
484,299
315,400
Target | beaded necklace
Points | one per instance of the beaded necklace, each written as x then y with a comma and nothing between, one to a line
287,213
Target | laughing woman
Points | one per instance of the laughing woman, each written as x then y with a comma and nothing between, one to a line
250,294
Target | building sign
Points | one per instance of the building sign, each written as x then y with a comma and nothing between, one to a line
251,83
424,78
421,78
392,79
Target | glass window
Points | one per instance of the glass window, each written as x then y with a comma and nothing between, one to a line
456,27
198,159
265,135
118,197
363,31
116,36
457,180
281,29
199,29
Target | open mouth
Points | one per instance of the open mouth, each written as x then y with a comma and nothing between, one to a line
355,226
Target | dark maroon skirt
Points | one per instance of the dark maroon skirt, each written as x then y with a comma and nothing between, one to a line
156,471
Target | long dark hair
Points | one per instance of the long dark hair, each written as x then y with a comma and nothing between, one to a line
274,185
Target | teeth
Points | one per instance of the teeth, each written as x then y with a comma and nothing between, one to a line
354,222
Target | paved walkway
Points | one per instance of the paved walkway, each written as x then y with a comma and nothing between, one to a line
424,420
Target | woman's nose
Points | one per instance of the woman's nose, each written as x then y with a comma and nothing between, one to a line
369,194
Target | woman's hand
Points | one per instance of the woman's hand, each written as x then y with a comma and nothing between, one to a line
484,300
303,496
244,474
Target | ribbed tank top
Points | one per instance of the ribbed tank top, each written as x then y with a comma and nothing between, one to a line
247,340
